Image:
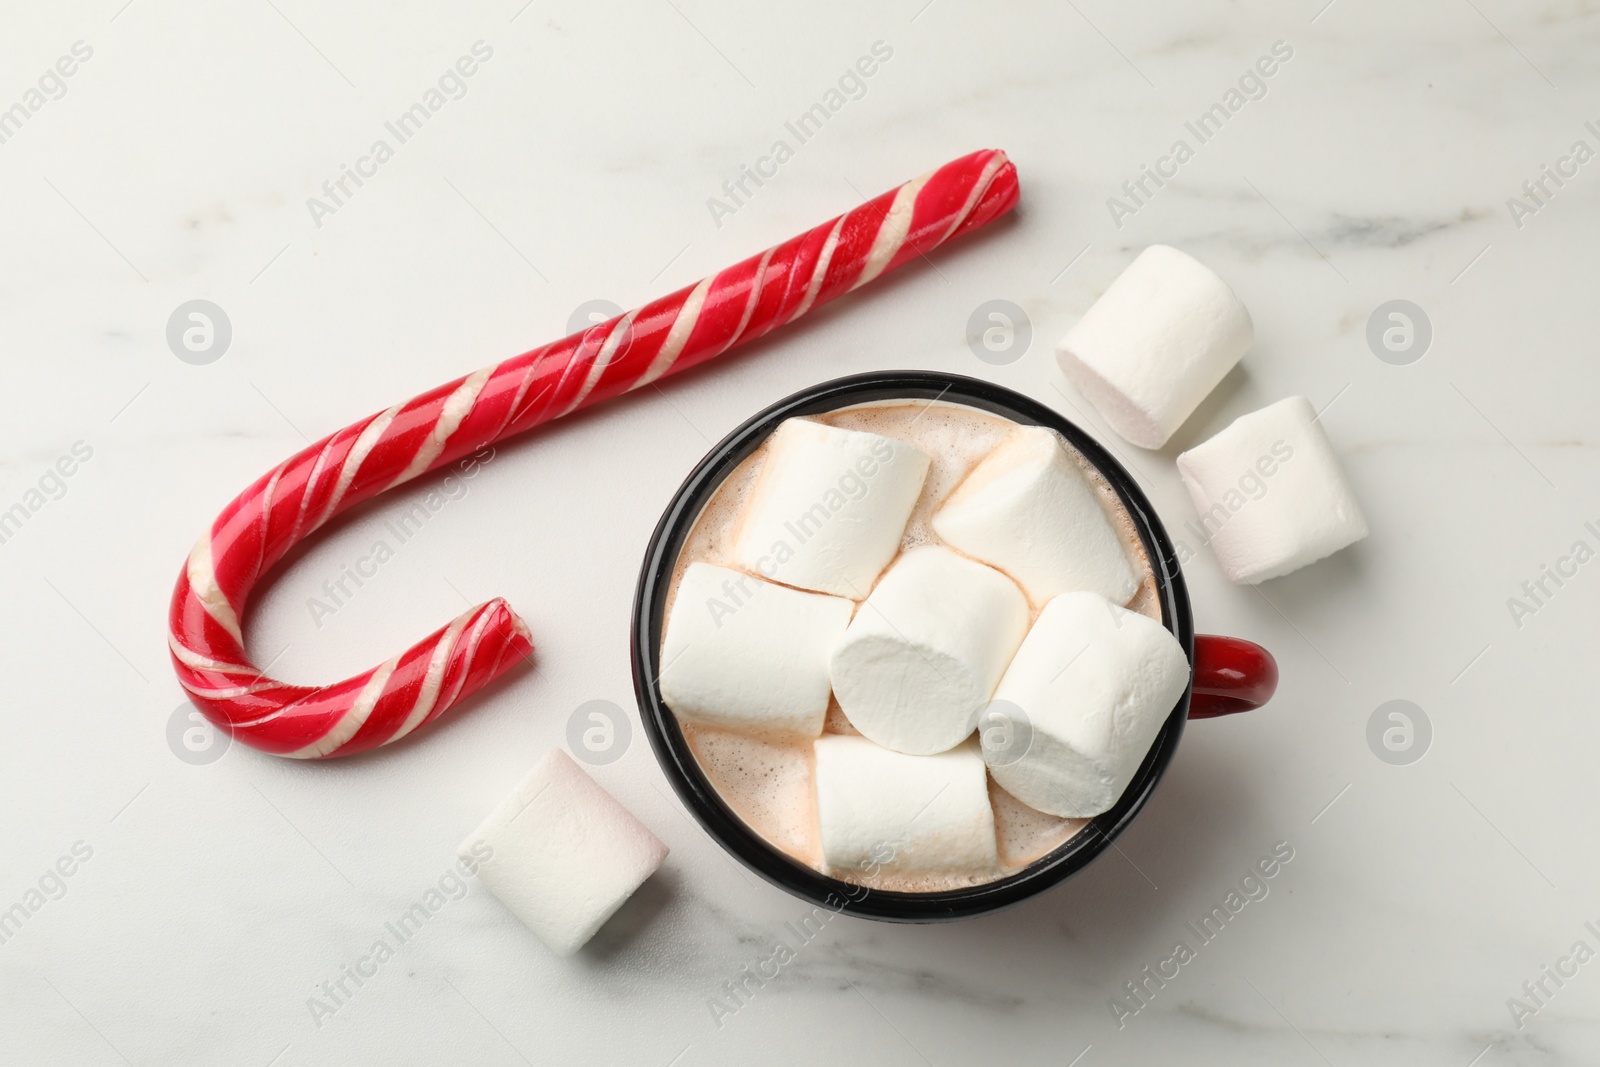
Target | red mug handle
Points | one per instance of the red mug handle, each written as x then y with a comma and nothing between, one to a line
1230,675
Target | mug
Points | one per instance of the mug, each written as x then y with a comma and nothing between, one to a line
1227,674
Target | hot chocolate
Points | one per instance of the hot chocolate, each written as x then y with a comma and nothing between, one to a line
765,768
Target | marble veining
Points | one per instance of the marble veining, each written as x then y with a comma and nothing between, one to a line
225,886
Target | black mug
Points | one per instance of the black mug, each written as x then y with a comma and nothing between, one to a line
1227,674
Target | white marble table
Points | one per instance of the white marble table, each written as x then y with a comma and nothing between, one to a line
209,901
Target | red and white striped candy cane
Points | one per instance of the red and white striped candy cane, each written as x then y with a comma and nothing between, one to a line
440,427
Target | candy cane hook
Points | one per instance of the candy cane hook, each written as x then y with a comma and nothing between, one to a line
443,425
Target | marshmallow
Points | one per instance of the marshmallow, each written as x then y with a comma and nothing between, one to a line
1091,684
1155,344
1028,510
748,655
563,855
1271,494
829,507
926,649
906,814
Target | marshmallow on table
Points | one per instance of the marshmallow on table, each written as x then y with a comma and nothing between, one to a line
1271,494
906,814
925,650
1150,349
1092,684
829,507
563,853
1028,510
749,655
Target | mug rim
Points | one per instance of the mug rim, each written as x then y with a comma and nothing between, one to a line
683,770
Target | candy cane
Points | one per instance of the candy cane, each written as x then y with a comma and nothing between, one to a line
442,426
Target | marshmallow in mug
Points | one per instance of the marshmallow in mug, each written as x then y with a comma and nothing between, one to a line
564,853
1300,506
1028,509
829,507
1156,343
924,652
906,814
1093,683
744,654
